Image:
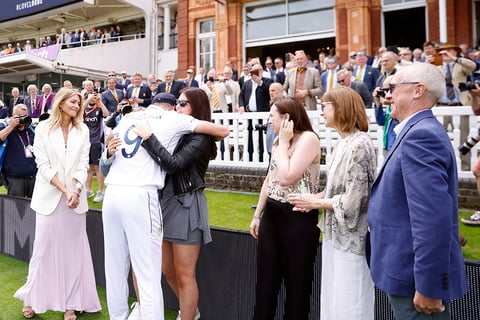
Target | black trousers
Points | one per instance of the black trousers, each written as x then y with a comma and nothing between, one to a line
261,133
287,246
20,187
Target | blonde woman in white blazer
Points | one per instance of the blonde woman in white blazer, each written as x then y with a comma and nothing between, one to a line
60,275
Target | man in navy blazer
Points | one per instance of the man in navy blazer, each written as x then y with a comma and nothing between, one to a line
170,85
124,82
190,80
112,96
364,72
16,99
413,213
138,94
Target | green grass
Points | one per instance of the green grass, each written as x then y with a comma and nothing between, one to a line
229,210
13,274
472,233
232,210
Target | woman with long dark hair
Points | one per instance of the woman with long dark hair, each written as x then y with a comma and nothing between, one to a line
287,240
184,205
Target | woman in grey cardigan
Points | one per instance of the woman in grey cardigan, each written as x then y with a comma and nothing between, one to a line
347,288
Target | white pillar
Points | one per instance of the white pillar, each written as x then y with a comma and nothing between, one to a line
166,27
153,36
442,20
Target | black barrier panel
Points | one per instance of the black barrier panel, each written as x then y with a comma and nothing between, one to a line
225,273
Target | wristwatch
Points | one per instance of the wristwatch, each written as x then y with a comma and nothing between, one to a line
78,185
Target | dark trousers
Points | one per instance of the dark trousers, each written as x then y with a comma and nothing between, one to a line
250,141
287,246
21,187
404,309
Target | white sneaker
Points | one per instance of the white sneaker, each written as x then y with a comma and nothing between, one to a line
99,197
135,313
474,219
90,194
197,315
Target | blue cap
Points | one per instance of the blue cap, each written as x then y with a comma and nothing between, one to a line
164,97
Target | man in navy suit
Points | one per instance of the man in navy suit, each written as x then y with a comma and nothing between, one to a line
328,78
259,87
344,78
138,94
279,71
190,80
16,99
170,85
112,96
365,72
124,83
75,39
413,213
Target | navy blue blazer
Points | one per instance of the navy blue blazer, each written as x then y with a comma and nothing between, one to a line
193,83
280,77
413,215
10,105
262,95
144,93
121,86
362,90
175,87
108,99
370,77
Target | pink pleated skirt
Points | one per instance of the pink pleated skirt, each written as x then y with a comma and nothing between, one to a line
60,273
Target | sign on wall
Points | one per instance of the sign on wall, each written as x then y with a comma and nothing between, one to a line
14,9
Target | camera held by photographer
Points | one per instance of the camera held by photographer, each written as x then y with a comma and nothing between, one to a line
17,158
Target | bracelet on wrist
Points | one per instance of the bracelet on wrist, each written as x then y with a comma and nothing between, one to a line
257,217
77,193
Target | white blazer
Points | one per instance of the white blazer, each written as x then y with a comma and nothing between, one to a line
67,162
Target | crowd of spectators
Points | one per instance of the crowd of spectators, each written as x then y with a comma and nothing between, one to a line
323,81
78,37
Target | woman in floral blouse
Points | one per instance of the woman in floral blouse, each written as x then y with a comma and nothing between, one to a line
347,288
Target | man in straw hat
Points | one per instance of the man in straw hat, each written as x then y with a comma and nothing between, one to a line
455,70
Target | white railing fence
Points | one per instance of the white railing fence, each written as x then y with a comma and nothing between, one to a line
236,145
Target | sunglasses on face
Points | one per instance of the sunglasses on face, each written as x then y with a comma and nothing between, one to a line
182,103
392,86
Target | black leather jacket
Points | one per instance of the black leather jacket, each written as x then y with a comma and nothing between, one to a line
189,162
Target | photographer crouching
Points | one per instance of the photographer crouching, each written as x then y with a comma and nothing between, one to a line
17,159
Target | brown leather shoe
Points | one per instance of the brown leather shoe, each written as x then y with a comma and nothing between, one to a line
463,241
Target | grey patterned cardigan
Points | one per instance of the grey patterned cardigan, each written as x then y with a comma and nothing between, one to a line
349,181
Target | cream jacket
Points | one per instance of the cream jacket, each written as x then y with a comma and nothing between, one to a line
53,157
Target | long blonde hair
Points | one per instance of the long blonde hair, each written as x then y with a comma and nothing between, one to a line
55,119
